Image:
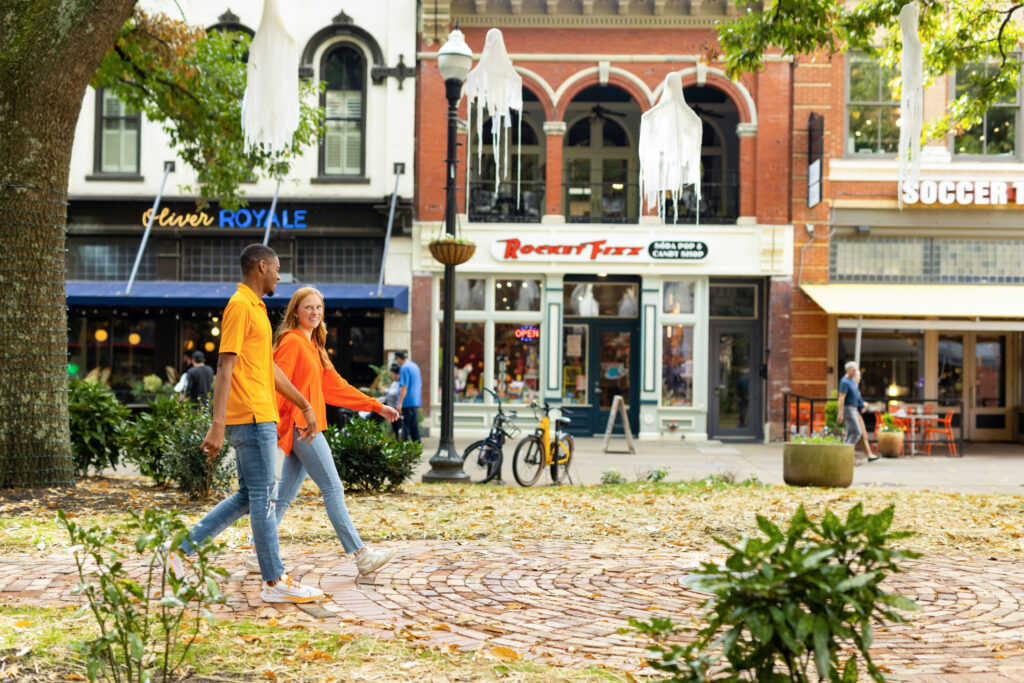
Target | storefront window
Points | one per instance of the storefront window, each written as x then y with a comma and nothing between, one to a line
470,294
733,301
574,364
600,299
951,365
989,370
517,295
678,297
677,365
891,363
469,362
516,361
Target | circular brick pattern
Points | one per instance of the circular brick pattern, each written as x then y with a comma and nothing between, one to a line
565,602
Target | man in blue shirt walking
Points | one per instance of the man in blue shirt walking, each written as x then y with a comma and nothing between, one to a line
850,406
410,385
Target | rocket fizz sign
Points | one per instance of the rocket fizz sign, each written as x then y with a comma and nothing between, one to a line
610,250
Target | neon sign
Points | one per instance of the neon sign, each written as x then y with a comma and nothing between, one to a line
242,218
527,334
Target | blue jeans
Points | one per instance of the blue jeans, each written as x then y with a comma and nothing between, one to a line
852,424
315,459
256,460
411,422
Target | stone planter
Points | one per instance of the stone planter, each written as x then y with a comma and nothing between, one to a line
817,464
451,252
890,444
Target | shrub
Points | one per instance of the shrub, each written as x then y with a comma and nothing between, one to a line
889,423
143,626
185,462
612,477
792,601
656,475
823,438
97,421
152,385
147,440
369,458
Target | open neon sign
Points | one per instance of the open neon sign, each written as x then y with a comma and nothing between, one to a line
527,334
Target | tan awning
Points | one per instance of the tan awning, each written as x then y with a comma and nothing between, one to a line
920,301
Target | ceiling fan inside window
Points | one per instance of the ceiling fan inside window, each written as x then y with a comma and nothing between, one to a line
701,111
600,114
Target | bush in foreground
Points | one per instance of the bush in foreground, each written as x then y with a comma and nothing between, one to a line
97,421
368,456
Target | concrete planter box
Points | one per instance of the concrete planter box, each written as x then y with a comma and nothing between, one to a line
817,464
890,444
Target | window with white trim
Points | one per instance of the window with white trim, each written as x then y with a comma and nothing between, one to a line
872,110
996,135
117,135
344,100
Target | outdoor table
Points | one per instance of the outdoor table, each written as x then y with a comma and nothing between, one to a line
913,418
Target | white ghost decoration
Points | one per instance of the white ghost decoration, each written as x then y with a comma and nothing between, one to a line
270,108
497,89
670,140
912,98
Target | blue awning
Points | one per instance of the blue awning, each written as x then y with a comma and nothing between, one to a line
216,294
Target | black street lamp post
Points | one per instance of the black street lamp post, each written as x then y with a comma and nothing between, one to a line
454,60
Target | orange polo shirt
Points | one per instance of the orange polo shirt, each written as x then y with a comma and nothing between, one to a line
299,360
245,331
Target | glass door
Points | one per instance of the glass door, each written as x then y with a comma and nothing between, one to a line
988,415
735,385
612,373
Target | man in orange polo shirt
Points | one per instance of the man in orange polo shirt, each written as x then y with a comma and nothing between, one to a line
245,408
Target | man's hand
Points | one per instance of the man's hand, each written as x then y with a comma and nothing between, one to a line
308,432
389,413
213,442
839,417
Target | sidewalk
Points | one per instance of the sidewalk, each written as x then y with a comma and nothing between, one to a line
986,467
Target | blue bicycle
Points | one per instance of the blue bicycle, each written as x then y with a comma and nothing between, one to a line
482,459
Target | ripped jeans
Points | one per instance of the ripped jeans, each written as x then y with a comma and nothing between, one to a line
256,459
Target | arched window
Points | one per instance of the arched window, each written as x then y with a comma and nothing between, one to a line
343,71
117,136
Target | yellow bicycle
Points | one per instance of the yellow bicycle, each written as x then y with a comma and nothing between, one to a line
544,448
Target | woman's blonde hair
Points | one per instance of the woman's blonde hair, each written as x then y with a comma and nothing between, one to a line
290,322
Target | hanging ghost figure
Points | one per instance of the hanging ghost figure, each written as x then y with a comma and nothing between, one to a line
669,149
912,98
497,89
270,108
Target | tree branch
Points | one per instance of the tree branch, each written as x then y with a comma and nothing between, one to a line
1002,27
145,74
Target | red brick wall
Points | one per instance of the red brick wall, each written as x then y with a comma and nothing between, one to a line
421,309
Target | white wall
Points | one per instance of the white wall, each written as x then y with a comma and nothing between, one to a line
390,112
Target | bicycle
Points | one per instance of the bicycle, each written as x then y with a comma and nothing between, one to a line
544,448
484,458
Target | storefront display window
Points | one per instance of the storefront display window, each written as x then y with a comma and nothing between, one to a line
574,368
469,362
516,295
989,371
516,361
951,365
892,363
470,294
108,258
600,299
677,365
678,297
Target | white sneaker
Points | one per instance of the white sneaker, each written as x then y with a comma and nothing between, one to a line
371,560
174,562
288,589
252,563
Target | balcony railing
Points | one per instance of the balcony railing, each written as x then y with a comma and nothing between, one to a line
608,202
488,206
719,203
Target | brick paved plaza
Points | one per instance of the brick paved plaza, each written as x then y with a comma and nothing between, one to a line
563,602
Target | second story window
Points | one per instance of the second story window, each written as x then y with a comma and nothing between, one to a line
117,136
344,73
871,110
996,135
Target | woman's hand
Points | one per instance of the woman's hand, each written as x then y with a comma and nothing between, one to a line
389,413
308,432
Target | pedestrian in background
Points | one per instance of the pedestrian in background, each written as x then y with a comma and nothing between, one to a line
410,388
851,405
390,398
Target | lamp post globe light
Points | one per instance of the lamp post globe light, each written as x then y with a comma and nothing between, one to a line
454,60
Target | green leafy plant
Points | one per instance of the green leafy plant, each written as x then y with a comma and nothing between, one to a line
832,425
889,424
97,421
145,626
151,385
612,477
791,601
368,456
822,438
656,475
185,463
148,439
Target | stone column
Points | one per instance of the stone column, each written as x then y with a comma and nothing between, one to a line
747,133
650,359
554,132
551,338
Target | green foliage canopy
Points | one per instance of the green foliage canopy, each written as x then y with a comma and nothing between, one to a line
955,34
192,83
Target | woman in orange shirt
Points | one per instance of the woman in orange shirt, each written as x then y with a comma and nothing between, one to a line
299,352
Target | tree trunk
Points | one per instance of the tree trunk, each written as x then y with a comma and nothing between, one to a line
49,49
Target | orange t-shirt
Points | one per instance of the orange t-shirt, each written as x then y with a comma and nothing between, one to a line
299,360
246,332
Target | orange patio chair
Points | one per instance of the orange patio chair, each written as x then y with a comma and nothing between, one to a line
943,427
